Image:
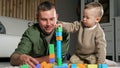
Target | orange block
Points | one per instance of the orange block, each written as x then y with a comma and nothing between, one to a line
58,37
51,55
43,64
48,65
81,65
69,65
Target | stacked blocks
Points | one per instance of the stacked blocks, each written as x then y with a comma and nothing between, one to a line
51,53
59,45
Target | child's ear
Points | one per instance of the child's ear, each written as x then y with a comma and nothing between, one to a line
98,19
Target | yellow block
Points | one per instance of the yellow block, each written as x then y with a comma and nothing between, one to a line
92,66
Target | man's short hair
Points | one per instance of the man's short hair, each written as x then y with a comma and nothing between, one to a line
44,6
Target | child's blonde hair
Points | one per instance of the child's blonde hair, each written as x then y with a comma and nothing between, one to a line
97,5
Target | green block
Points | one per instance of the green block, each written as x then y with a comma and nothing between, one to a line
59,61
51,49
24,66
59,29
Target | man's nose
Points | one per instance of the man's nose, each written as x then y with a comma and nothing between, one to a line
48,22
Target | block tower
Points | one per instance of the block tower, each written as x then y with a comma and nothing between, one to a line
51,53
59,45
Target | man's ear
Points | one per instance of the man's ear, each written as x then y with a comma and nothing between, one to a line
57,16
37,17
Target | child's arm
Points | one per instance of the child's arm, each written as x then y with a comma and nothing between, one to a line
70,27
101,46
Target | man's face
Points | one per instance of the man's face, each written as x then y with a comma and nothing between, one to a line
47,20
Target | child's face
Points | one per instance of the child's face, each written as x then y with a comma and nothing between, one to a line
90,17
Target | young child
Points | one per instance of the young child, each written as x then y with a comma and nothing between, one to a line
91,44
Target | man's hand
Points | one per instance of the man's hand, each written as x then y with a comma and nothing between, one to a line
28,60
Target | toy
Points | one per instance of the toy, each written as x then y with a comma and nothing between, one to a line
59,57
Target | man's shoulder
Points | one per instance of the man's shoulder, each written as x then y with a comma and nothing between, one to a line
34,27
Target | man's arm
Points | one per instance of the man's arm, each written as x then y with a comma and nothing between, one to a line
19,59
42,59
14,60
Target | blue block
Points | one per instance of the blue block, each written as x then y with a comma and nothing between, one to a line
52,60
102,66
63,66
58,33
58,43
73,66
37,65
58,54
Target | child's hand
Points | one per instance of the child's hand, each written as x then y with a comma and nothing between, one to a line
59,25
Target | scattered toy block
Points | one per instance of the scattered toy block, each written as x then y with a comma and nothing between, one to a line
92,66
62,66
73,66
102,66
43,64
81,65
24,66
37,65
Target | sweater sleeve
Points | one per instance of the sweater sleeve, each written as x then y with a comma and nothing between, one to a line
71,27
101,46
24,45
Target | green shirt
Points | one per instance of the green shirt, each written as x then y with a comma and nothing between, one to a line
33,42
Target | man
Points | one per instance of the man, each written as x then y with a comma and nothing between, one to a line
33,47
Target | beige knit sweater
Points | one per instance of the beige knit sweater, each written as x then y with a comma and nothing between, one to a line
90,41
